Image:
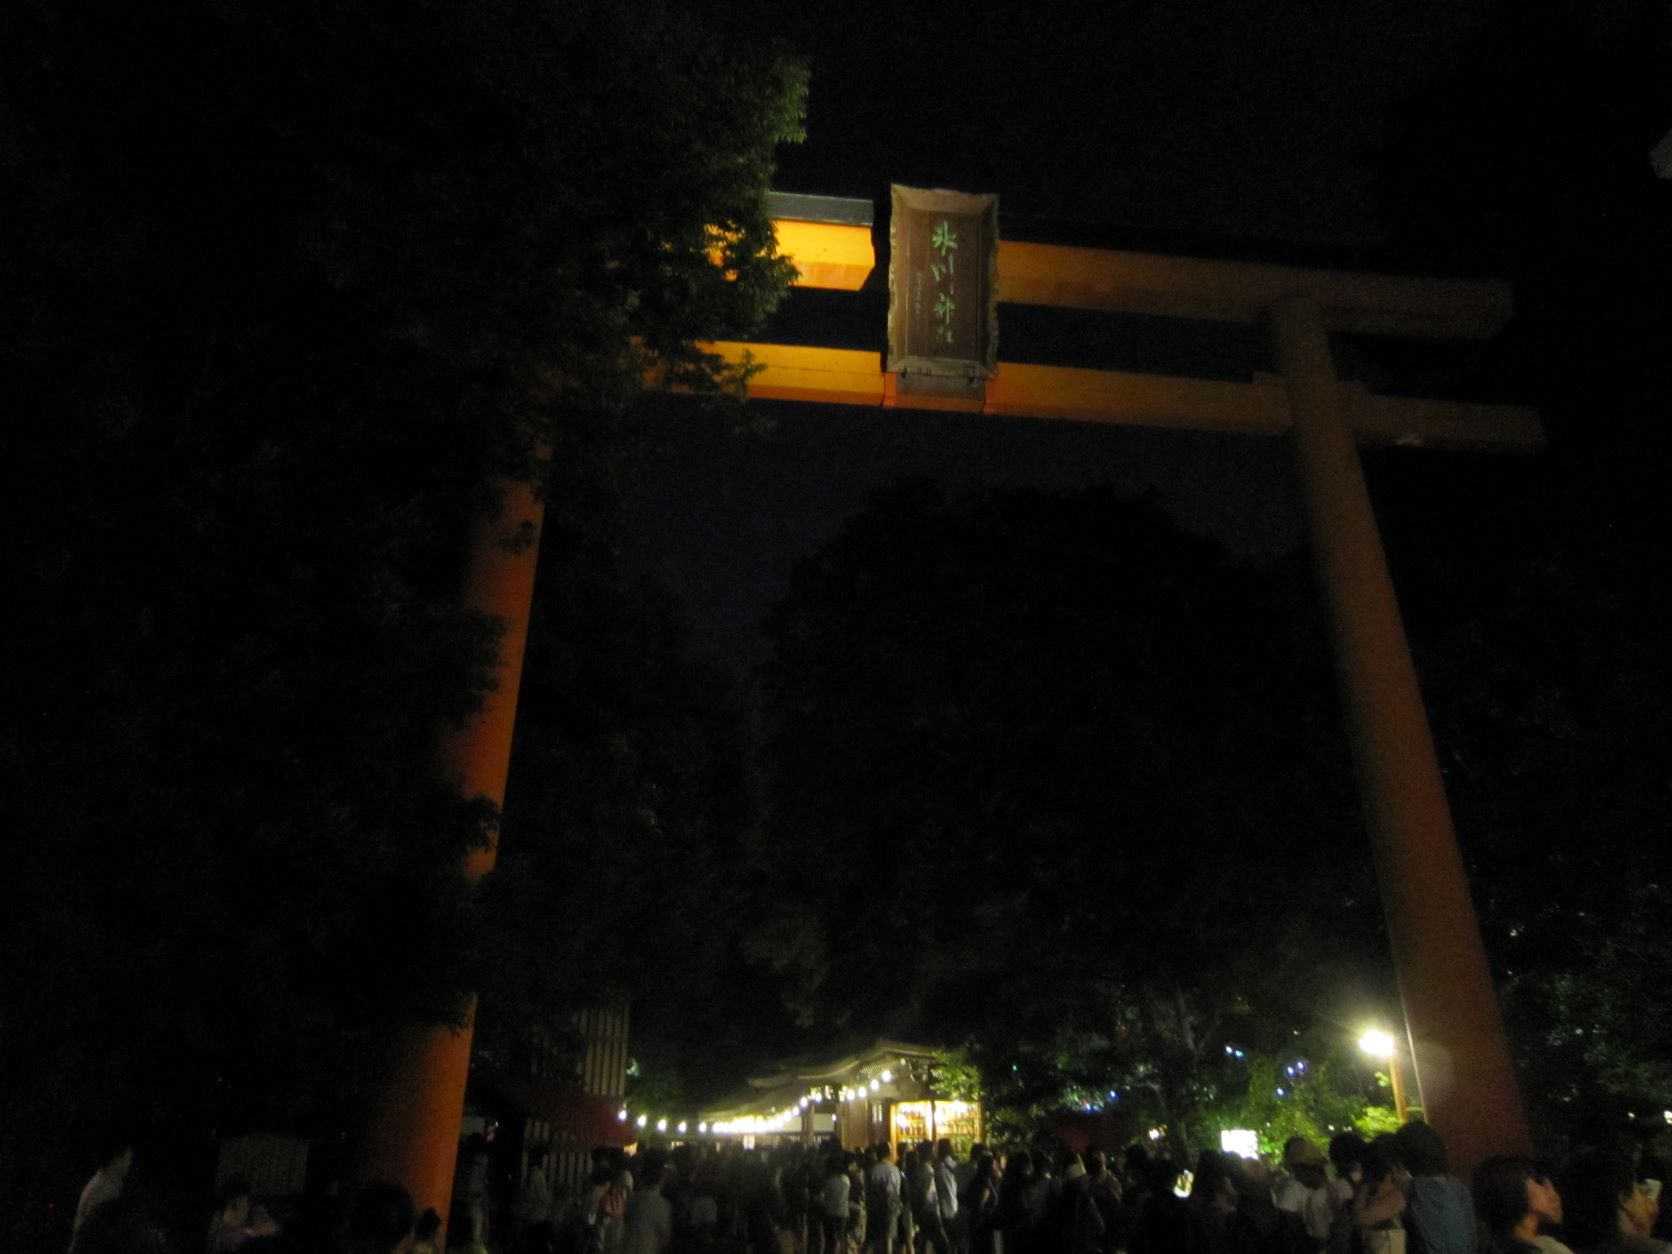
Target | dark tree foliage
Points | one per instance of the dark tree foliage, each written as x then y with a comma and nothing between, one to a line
285,284
1045,768
1532,589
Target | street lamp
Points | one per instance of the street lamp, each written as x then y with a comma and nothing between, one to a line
1380,1044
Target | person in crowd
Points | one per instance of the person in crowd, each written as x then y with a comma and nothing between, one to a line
985,1201
1651,1171
427,1235
1075,1224
606,1200
532,1209
104,1188
237,1221
1105,1191
797,1187
1039,1197
381,1221
905,1239
1259,1227
762,1203
883,1202
965,1170
704,1215
1346,1157
1439,1214
947,1169
128,1225
1165,1223
834,1191
1211,1204
1605,1210
925,1201
1513,1198
1135,1192
648,1221
1009,1221
1376,1216
1307,1190
470,1186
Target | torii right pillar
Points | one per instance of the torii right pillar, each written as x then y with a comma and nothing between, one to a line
1454,1026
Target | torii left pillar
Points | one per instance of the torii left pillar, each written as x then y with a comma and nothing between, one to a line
411,1138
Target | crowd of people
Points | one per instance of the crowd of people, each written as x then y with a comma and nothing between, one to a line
1391,1195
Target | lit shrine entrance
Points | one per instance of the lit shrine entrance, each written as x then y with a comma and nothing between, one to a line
951,273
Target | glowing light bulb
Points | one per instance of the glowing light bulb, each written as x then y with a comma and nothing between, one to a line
1376,1043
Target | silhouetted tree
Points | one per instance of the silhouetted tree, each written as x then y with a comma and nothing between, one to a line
286,286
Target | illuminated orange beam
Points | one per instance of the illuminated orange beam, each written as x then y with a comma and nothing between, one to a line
841,258
837,258
1239,291
849,377
830,376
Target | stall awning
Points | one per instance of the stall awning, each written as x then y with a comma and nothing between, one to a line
583,1119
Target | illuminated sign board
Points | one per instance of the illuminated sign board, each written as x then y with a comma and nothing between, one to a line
943,284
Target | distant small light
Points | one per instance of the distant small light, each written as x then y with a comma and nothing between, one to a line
1281,1093
622,1114
888,1077
682,1126
875,1086
641,1121
702,1127
661,1125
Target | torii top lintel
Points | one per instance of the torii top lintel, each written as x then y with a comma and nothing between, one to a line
840,256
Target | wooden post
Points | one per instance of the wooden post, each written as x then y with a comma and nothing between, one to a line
412,1135
1460,1053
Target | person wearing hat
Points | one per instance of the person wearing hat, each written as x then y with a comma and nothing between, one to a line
1307,1191
1075,1222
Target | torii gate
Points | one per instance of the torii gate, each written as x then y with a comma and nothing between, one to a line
1454,1029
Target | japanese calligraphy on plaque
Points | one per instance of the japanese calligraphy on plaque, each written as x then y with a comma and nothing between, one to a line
943,284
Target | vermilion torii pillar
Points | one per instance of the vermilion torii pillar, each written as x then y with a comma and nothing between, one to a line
1456,1033
412,1135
